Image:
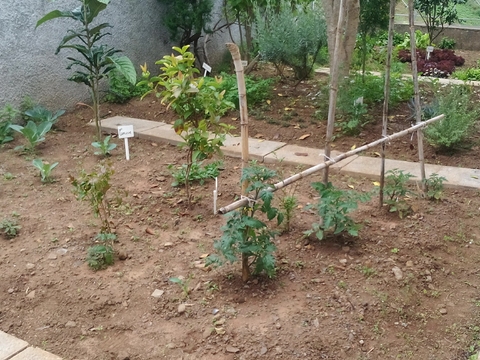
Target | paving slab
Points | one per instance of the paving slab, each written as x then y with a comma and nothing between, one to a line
139,125
163,134
295,154
33,353
370,167
258,148
460,177
10,345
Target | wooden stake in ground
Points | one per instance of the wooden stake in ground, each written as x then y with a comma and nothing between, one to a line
386,95
418,107
316,168
242,97
332,104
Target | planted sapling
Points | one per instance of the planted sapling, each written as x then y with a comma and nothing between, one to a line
45,169
434,187
10,227
247,236
396,190
104,147
333,207
102,255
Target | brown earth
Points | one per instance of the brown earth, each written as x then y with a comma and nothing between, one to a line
335,299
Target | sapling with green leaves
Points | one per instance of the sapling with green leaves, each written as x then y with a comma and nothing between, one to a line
9,227
245,235
33,133
197,101
45,169
434,187
101,255
104,146
95,61
396,190
333,208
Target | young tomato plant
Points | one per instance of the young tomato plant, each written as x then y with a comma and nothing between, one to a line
434,187
247,236
396,190
333,208
197,101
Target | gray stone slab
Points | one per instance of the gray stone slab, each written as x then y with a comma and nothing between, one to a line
33,353
460,177
163,134
370,167
258,148
10,345
139,125
294,154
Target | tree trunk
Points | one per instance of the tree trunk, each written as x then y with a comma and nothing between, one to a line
349,31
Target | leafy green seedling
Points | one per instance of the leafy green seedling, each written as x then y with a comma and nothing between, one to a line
100,256
396,190
39,114
10,227
45,169
104,146
434,187
34,134
5,132
183,283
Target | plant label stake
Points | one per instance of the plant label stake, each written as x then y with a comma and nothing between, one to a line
429,51
207,68
215,194
125,132
244,63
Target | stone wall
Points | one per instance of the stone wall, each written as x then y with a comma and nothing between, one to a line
466,38
29,66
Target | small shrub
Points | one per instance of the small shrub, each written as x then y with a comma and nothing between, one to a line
258,90
198,173
470,74
434,187
288,205
461,113
422,40
292,38
121,90
447,43
104,147
10,227
441,63
333,208
8,114
247,236
45,169
396,190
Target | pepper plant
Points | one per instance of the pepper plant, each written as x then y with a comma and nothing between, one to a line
247,236
95,61
197,101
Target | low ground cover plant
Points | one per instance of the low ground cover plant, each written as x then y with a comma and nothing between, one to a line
9,227
40,114
198,172
470,74
121,90
441,63
258,89
104,146
8,115
33,133
396,191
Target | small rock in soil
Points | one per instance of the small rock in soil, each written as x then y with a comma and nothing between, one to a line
398,273
207,332
30,266
443,311
70,324
31,294
122,255
170,346
123,356
52,256
409,263
263,350
232,349
11,290
157,293
181,308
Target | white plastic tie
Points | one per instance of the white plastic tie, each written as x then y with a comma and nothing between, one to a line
329,158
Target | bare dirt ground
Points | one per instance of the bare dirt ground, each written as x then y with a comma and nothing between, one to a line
335,299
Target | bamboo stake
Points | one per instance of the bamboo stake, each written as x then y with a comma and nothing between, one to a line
242,202
386,96
333,87
418,109
242,97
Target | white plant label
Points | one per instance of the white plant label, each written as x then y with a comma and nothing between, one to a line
358,101
429,51
125,132
244,63
207,68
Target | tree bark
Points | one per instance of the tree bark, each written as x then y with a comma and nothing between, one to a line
349,31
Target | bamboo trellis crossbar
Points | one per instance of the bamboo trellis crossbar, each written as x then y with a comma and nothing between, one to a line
244,201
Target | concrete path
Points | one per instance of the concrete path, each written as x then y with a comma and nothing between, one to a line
12,348
274,151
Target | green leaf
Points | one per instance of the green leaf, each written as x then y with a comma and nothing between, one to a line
125,66
53,15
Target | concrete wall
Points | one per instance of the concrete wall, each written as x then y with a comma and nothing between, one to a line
28,65
466,38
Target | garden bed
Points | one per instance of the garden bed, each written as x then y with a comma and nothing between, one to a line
336,299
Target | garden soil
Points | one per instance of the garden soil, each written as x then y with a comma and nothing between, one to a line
404,288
